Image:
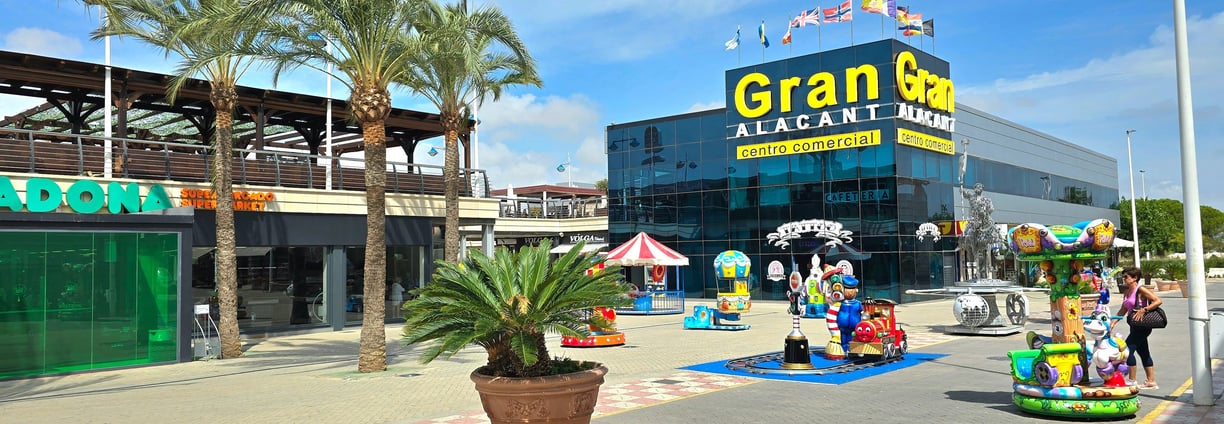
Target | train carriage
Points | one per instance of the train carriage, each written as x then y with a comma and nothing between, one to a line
878,336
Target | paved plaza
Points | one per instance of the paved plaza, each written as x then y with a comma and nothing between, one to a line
312,378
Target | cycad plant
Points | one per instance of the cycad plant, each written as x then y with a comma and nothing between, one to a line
507,303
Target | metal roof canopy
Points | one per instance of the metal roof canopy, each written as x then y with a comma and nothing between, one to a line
75,89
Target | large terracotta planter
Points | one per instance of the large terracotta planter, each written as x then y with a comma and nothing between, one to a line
561,399
1166,285
1184,286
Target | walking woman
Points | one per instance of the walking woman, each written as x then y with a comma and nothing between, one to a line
1141,300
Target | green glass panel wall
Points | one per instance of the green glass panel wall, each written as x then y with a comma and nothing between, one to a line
72,301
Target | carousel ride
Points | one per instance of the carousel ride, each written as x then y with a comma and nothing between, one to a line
1052,377
731,266
602,327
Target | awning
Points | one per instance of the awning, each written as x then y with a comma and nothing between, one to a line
1121,243
589,247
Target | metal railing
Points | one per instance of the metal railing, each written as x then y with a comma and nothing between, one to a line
655,302
553,208
70,154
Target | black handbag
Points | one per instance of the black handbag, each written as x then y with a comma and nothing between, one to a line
1154,318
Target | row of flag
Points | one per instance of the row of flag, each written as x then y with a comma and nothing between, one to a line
909,23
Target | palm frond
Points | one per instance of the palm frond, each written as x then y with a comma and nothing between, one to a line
507,302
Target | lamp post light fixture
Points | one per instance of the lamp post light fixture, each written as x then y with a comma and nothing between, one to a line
564,167
1134,216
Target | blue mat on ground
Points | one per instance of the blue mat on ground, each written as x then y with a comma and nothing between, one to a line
818,361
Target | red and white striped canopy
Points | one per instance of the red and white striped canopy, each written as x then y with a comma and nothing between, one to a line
643,250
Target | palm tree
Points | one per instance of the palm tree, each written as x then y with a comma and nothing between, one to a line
455,67
204,35
368,42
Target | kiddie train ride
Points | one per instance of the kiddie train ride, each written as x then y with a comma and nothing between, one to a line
1052,376
862,334
731,266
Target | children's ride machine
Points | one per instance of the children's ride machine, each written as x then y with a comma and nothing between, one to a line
603,331
1052,376
602,327
731,266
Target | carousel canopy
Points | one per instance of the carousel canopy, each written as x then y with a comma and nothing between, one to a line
642,250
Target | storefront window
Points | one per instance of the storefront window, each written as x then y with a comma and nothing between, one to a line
278,287
405,266
73,301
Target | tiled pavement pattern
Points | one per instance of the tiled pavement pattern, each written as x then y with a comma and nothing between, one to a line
619,397
614,398
311,377
1181,410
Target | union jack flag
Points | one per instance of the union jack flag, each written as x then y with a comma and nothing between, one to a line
841,13
806,17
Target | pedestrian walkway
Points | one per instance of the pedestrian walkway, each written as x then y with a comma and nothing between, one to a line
312,377
1182,409
619,397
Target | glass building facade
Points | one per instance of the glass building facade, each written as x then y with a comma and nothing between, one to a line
74,301
692,182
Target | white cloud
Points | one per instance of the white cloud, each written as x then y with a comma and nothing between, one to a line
523,139
1092,104
43,42
698,107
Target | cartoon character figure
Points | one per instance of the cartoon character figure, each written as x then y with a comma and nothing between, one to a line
1108,352
851,311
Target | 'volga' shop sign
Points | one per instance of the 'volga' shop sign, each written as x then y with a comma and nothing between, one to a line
589,238
83,196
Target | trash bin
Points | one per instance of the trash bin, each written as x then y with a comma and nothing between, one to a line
1216,328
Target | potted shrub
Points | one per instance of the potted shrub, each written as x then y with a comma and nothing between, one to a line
506,304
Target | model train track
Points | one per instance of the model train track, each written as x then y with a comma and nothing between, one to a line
753,364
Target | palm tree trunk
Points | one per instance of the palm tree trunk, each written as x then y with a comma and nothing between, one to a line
450,172
373,354
223,100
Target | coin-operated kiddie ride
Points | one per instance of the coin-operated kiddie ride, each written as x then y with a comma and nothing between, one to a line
603,327
815,305
731,266
1052,376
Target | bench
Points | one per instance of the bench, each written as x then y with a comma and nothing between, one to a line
1215,273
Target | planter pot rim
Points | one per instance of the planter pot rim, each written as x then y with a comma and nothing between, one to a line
598,371
554,399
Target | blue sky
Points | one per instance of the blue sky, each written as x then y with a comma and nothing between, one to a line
1081,74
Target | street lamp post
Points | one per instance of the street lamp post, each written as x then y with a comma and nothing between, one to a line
1134,217
107,147
328,122
319,40
1143,183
